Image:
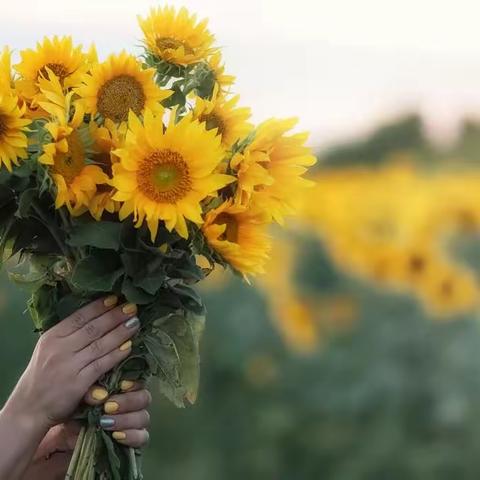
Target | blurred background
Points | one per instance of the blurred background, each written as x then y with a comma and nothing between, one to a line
356,356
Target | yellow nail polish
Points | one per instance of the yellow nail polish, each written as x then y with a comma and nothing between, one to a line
129,309
119,435
126,346
126,385
111,407
99,394
110,301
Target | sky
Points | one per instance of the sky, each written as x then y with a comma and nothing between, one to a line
341,66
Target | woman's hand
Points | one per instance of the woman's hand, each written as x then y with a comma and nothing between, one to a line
67,361
70,357
55,451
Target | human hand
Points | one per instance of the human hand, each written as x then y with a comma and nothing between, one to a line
69,359
130,418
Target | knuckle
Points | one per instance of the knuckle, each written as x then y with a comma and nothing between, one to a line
146,397
146,418
97,367
96,347
78,319
91,330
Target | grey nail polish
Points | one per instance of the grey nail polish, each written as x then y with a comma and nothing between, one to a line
132,322
107,422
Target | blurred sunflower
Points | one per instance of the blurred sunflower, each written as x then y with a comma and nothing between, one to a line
59,55
223,116
107,138
222,81
270,169
239,236
5,70
450,290
176,37
119,85
66,156
164,174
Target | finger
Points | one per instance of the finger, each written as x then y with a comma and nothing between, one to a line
132,438
115,339
89,374
131,385
78,319
101,325
128,402
126,421
96,395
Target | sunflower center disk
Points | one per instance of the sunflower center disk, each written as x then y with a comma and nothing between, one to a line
168,43
164,177
70,164
57,68
3,125
120,95
231,230
212,120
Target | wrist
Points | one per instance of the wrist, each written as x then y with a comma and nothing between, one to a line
27,420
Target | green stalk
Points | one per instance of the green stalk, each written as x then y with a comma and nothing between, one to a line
133,463
76,454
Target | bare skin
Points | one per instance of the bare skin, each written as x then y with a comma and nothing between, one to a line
36,435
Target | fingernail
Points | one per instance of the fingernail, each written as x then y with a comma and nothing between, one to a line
107,422
126,385
99,394
111,407
132,322
119,435
129,309
110,301
126,346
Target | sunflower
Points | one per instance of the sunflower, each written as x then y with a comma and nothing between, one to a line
68,62
5,70
176,37
223,116
66,156
270,169
13,138
164,174
13,124
222,81
119,85
107,138
239,236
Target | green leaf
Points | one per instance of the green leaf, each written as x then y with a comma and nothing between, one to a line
134,294
114,460
25,202
97,273
105,235
42,307
174,346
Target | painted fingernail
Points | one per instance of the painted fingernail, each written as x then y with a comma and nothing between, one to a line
133,322
110,301
107,422
126,385
119,435
99,394
129,309
111,407
126,346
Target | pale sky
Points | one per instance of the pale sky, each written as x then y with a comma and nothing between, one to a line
340,65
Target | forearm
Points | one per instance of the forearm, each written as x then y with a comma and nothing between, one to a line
20,435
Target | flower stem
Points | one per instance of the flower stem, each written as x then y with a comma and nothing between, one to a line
76,454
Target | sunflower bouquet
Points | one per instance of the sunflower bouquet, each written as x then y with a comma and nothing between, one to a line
136,176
